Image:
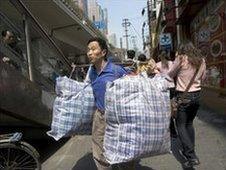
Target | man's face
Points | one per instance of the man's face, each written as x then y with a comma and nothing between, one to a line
9,38
94,52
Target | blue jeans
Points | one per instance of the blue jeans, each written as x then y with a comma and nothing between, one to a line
184,120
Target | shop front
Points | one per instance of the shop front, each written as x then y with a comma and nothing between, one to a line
208,32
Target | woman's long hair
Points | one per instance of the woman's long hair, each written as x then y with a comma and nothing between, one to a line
194,55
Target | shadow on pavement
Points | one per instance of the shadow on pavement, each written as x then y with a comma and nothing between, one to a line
214,119
86,163
140,167
47,147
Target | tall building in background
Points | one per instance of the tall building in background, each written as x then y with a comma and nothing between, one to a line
98,16
99,13
83,5
112,39
105,21
92,10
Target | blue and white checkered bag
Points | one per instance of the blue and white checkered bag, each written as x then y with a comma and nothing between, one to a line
73,108
137,117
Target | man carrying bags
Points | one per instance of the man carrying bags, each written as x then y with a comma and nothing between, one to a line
101,72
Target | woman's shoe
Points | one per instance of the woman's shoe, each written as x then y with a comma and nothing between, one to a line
194,162
187,165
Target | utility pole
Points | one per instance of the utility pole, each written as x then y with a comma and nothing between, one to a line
133,39
126,24
149,23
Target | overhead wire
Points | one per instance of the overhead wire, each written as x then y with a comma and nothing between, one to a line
136,31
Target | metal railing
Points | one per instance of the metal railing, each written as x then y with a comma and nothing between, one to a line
42,31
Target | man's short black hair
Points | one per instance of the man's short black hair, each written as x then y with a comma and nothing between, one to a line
142,57
102,43
131,54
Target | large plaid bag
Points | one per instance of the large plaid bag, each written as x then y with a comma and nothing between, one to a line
137,118
73,108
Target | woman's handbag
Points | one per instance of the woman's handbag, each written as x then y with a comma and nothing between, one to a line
174,106
175,102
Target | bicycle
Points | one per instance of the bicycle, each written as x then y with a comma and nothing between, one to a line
16,154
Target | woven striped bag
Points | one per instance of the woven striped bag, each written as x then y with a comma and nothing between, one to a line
73,108
137,118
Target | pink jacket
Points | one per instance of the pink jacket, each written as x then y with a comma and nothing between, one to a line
183,71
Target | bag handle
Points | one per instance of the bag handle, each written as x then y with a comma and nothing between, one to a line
72,70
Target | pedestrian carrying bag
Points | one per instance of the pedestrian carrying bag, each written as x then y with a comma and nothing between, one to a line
175,102
73,108
137,111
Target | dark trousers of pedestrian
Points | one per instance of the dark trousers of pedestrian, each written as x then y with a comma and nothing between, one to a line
184,120
173,131
98,131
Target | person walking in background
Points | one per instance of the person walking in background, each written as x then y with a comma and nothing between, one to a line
141,64
163,66
189,64
142,58
131,54
151,68
101,72
10,40
130,59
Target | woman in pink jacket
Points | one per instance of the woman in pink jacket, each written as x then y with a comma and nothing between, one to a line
184,67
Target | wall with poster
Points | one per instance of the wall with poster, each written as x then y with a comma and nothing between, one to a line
208,31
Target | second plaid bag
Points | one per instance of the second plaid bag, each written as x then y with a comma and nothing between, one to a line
137,117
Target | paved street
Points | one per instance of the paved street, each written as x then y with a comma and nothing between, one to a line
51,49
75,154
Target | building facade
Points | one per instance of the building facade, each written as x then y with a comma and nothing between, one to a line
98,16
83,5
208,32
204,23
112,39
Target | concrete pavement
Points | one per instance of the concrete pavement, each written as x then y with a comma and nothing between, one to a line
75,154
